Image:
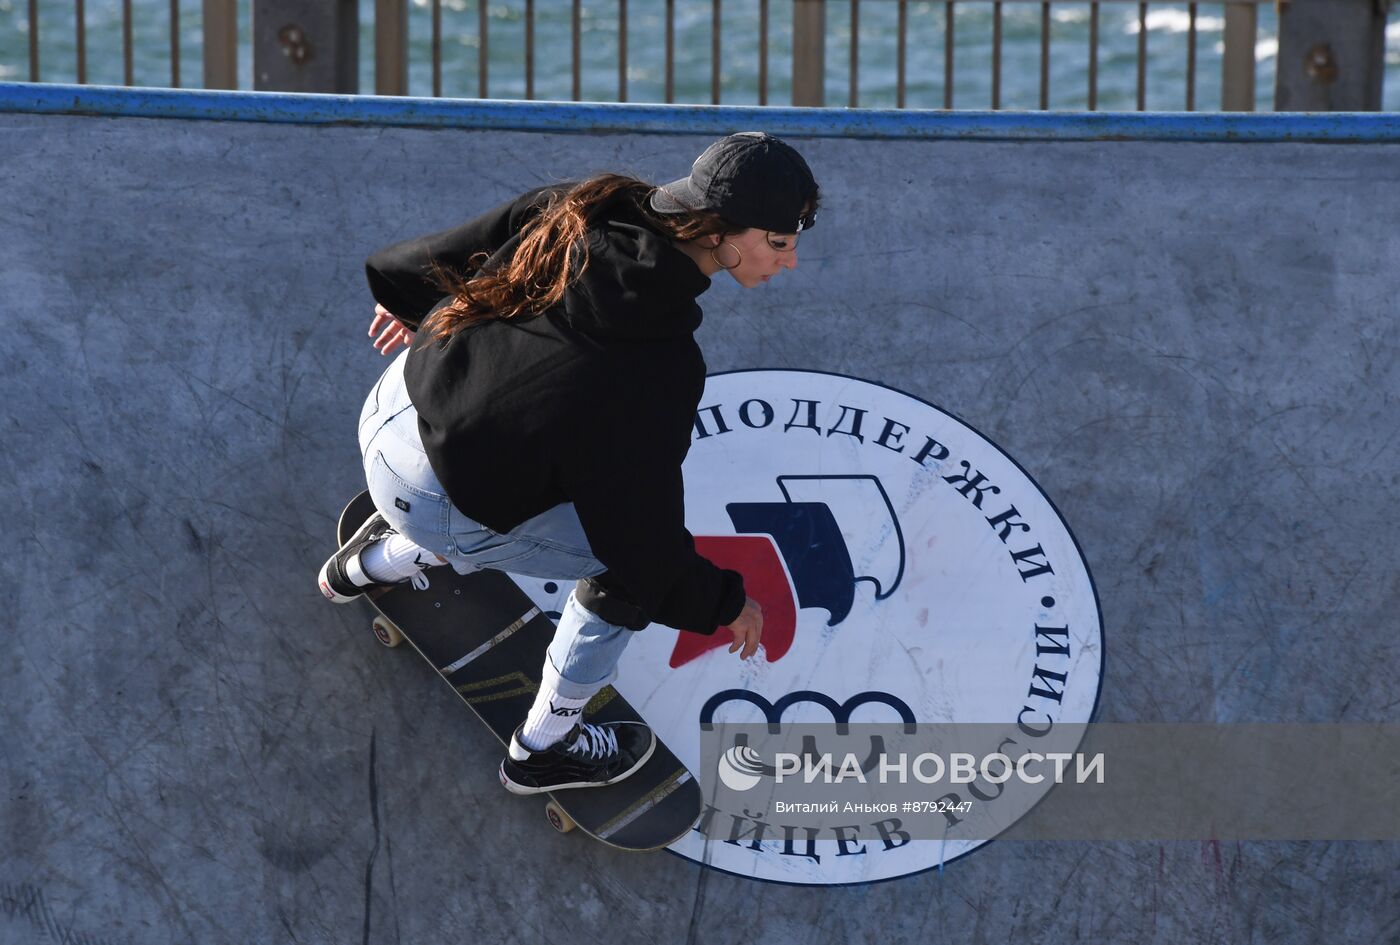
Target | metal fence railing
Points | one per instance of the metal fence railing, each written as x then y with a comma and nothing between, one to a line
900,53
810,36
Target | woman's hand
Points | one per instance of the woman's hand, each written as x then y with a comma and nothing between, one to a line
393,333
747,628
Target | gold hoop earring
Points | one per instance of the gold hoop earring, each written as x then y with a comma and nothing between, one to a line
731,246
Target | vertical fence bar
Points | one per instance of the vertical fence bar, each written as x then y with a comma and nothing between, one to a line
809,52
1093,57
996,56
128,70
174,44
903,42
714,51
33,15
82,42
763,52
855,54
483,55
948,55
221,44
622,50
437,48
576,38
1237,80
670,51
390,47
1045,57
1191,58
1331,56
33,40
1142,58
301,46
529,49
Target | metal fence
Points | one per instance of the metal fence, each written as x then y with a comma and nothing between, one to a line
810,37
803,26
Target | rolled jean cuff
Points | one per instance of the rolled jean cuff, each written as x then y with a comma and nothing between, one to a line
568,688
584,652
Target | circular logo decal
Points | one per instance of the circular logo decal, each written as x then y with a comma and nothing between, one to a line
740,768
908,569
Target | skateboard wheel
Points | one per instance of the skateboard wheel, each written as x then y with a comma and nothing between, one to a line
559,820
386,633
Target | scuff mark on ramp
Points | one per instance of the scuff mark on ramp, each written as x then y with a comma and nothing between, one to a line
374,818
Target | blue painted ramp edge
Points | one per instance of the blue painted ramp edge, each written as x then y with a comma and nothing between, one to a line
607,118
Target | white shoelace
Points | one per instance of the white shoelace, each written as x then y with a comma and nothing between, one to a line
418,578
594,742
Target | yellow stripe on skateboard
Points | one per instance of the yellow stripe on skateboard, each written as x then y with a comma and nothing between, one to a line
524,686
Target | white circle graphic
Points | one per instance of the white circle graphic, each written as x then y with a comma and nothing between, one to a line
906,564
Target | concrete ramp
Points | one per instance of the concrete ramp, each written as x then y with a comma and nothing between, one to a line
1187,337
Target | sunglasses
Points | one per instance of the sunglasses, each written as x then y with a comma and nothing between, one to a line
787,242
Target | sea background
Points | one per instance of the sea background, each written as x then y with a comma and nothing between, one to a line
1167,26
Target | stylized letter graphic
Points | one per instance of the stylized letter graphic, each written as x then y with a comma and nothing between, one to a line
756,558
810,542
869,528
832,533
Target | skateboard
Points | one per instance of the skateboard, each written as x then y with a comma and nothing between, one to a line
487,640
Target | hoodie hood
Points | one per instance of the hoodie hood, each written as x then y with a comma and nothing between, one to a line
637,284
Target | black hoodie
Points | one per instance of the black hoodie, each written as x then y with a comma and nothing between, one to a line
591,402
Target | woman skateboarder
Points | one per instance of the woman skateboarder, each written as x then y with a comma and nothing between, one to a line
538,420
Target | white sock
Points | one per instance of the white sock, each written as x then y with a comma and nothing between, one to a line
389,561
550,718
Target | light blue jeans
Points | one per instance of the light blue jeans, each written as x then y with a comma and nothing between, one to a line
584,653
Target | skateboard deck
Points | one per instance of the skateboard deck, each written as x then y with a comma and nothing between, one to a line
487,640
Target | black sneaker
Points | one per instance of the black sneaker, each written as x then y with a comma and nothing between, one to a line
334,580
589,756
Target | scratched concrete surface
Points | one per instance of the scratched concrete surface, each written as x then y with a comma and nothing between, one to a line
1192,347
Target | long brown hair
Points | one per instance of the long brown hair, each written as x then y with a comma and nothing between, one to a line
552,254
